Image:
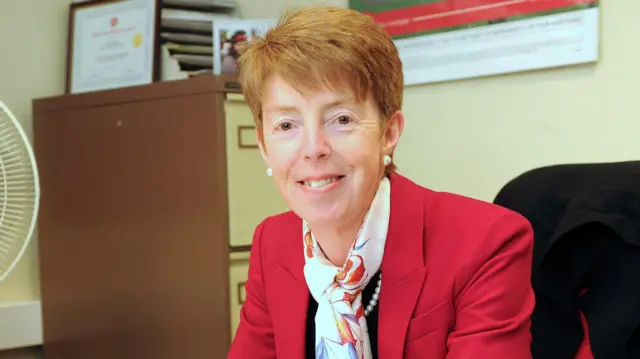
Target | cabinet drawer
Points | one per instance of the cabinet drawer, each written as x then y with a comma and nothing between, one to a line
238,274
252,194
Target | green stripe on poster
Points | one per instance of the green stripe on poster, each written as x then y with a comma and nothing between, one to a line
386,5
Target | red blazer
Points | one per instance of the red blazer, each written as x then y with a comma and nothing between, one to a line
456,282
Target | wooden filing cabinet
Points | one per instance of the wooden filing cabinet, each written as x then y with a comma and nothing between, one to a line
133,222
151,195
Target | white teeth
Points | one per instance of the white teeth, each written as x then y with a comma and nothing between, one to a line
320,183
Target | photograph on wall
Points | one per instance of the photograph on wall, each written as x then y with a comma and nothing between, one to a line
444,40
230,38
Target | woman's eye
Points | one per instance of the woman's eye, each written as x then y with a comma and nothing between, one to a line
285,126
344,120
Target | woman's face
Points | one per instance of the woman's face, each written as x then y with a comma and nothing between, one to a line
325,151
239,47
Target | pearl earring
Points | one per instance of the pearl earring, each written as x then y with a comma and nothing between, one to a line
386,160
269,172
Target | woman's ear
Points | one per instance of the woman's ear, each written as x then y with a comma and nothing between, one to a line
260,140
392,133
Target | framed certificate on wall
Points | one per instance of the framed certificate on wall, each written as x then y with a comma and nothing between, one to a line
112,44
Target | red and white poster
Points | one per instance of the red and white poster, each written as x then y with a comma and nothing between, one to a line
443,40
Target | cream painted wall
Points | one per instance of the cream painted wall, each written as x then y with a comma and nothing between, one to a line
32,65
471,137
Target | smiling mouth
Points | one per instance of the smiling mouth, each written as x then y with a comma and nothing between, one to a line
321,183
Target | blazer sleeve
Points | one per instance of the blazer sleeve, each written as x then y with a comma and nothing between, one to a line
254,337
496,302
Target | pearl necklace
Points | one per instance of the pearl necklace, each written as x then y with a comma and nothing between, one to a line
374,299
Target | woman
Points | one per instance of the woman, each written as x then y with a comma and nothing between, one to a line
367,264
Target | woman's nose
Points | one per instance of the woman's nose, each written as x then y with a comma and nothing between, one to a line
315,145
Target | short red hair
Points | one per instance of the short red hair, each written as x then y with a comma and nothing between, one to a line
322,47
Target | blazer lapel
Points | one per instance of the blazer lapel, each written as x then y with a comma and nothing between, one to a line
289,315
290,297
403,269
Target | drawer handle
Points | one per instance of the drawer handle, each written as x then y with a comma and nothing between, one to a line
247,140
241,289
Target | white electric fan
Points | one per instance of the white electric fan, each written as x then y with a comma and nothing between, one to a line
19,191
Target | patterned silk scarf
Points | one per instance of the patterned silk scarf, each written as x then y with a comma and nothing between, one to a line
341,328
